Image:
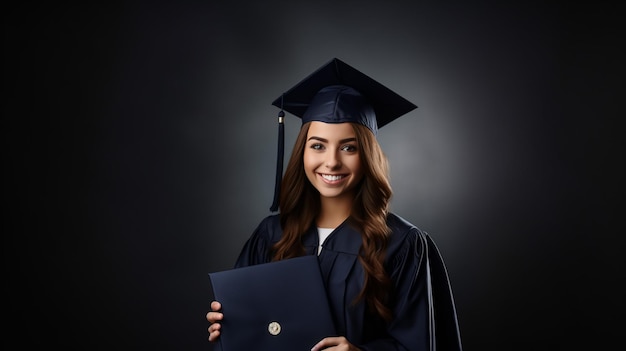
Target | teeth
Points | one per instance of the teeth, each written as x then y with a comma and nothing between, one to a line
331,177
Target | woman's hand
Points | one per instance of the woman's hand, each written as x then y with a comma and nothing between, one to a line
338,343
213,317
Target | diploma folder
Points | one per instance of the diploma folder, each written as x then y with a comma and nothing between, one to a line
280,305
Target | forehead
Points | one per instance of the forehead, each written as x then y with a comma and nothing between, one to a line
331,130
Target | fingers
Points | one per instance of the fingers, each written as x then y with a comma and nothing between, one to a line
324,343
213,317
214,331
338,343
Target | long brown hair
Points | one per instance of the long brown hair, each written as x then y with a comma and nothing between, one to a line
300,205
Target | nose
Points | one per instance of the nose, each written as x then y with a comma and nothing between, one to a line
332,161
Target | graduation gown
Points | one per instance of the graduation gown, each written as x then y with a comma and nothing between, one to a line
424,314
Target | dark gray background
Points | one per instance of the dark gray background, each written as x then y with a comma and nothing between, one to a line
140,146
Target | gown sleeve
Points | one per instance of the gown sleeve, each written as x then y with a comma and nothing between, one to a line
256,249
424,315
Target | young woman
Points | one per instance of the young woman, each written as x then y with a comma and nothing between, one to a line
386,283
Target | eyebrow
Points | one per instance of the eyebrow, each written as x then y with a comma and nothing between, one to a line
347,140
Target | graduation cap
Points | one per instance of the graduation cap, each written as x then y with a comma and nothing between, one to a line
337,93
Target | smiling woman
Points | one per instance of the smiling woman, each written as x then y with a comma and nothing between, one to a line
386,284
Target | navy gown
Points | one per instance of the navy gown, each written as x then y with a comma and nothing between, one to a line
424,315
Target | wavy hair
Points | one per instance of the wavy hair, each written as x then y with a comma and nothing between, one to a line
300,205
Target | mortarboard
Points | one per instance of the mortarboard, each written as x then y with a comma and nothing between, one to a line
264,305
337,93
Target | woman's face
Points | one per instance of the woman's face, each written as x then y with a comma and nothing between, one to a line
331,159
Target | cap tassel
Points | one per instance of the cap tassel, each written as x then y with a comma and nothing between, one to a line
279,159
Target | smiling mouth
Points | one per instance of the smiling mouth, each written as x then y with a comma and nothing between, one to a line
332,177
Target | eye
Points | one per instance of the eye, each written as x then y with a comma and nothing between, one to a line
349,148
316,146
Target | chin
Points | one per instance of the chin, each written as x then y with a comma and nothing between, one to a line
333,193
